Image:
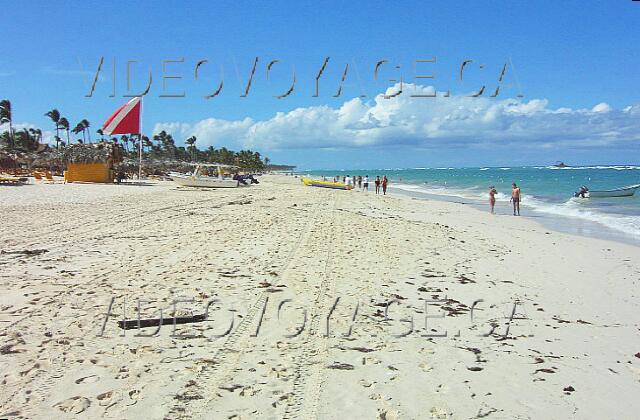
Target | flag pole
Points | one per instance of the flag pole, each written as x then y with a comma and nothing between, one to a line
140,145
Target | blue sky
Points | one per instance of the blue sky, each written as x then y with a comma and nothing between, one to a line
565,58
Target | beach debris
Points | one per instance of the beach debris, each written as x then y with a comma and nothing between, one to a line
464,279
475,368
155,322
637,355
568,390
340,366
362,349
26,252
239,202
477,352
544,370
561,321
230,388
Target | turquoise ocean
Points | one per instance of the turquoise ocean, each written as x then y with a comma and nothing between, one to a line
547,193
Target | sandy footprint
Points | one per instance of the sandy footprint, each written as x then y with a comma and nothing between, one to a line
425,367
387,415
73,405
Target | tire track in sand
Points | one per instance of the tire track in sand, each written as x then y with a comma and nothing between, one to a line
190,403
307,382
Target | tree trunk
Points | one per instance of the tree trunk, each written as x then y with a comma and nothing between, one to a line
12,139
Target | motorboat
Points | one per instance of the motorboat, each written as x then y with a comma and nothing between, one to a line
616,192
326,184
204,181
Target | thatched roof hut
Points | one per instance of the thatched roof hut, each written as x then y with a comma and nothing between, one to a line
92,153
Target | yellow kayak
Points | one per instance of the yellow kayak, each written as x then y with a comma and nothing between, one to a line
326,184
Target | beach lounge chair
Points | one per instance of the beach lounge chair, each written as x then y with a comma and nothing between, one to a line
49,177
10,180
37,176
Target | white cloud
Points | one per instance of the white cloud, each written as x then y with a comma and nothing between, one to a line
423,122
602,107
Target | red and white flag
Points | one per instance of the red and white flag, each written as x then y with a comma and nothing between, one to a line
126,120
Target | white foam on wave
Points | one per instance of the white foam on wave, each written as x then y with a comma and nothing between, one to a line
433,190
575,208
471,193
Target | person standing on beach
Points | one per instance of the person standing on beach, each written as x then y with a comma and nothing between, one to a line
365,184
492,198
377,184
385,181
360,182
515,198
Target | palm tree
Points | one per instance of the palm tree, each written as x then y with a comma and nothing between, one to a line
226,156
146,143
99,131
64,123
166,144
79,128
25,141
191,141
5,117
36,133
54,114
85,125
125,140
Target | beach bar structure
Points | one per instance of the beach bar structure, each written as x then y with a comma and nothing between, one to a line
89,172
91,162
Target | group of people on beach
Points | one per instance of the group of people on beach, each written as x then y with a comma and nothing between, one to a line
362,183
515,198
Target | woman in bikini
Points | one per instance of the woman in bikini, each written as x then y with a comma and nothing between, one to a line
492,198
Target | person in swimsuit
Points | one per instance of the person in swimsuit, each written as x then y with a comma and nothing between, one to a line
365,184
377,184
492,198
515,198
385,181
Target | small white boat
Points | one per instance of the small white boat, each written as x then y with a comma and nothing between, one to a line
203,181
616,192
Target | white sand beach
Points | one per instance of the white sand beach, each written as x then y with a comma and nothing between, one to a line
521,322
